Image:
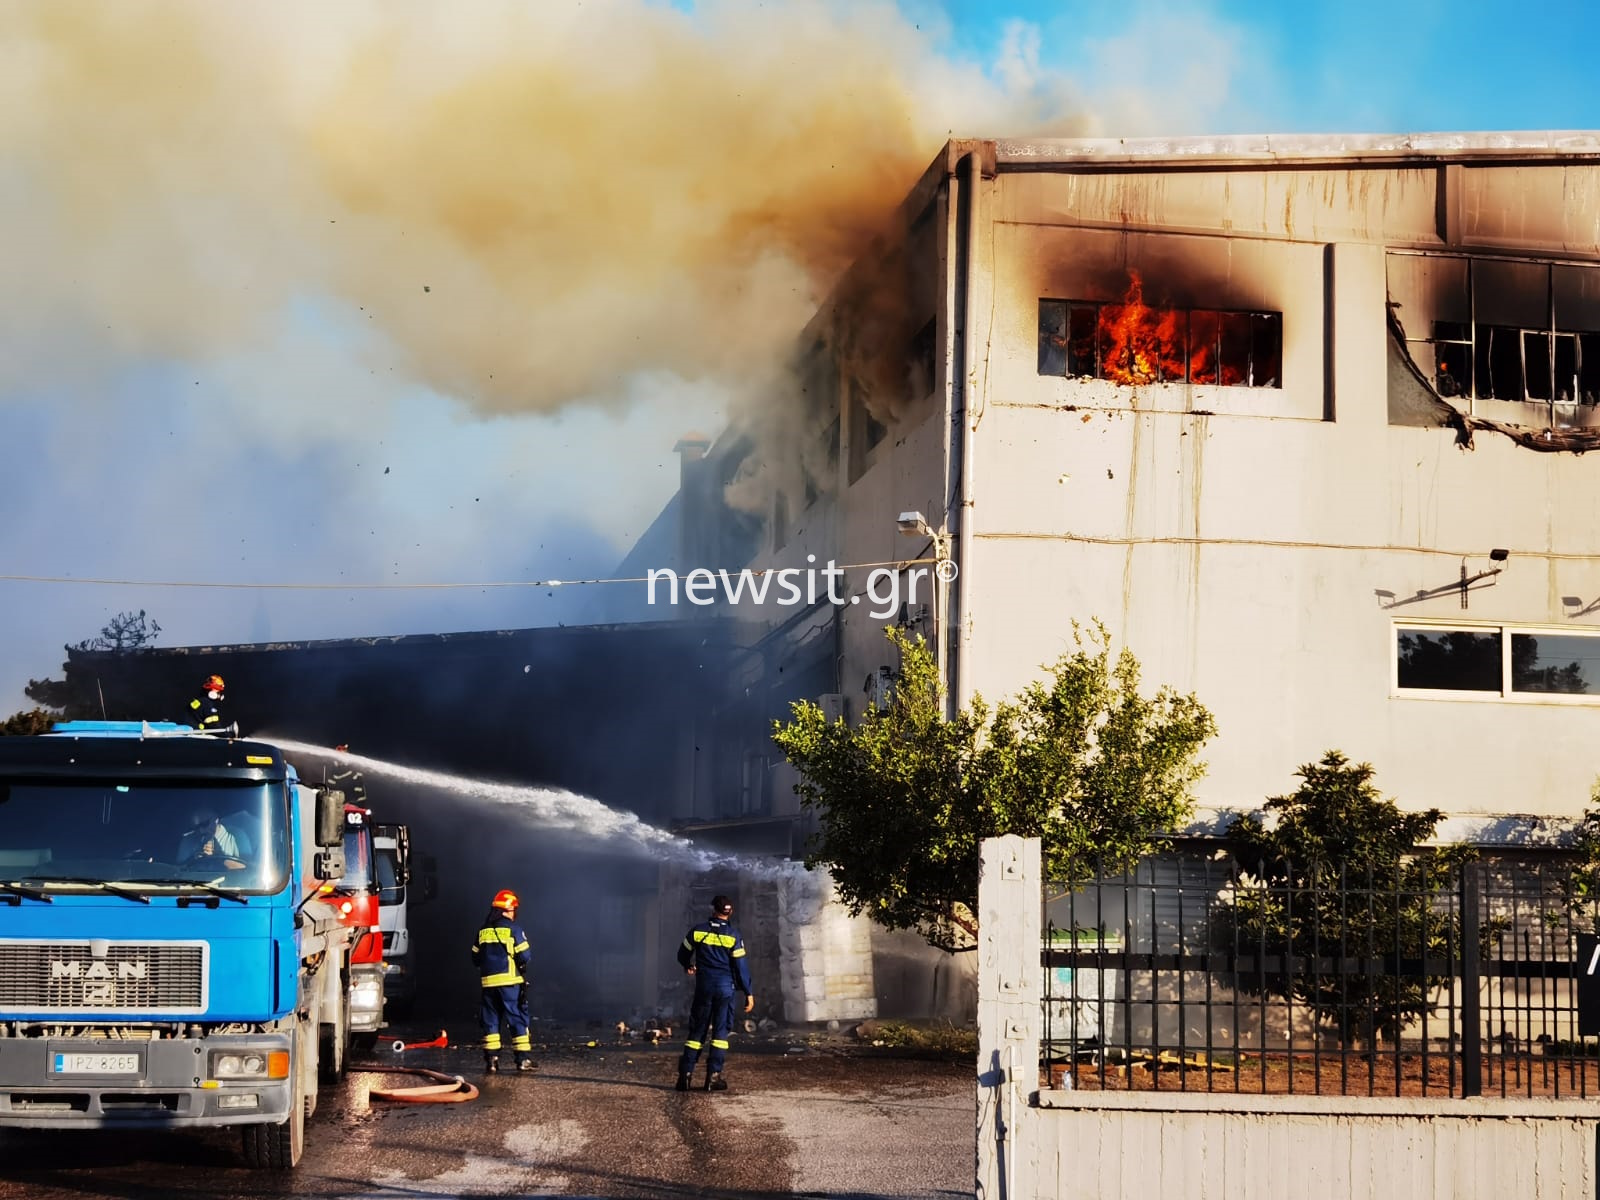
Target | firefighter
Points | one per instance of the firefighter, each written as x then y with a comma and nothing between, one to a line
206,710
713,952
501,955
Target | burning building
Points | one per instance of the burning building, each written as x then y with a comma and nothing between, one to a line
1303,420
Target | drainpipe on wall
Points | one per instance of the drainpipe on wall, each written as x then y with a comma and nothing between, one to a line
968,172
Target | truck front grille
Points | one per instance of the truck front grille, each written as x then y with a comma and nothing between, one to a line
102,976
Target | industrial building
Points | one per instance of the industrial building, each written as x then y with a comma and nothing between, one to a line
1303,420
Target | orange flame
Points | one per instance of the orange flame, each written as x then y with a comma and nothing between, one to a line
1142,345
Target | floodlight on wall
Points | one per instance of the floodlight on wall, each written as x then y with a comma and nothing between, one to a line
913,523
1499,555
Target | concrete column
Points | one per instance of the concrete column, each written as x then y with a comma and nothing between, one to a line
825,955
1010,932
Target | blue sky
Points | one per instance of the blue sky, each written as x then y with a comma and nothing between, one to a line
198,387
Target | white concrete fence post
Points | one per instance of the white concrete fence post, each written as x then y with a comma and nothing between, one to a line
1010,907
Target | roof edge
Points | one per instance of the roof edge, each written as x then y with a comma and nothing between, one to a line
1298,148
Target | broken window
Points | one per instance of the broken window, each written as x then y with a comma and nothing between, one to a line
1130,342
1498,329
1483,660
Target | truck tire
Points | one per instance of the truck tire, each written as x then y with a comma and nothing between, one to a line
333,1061
277,1147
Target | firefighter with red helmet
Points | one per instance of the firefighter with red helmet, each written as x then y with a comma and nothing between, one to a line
206,709
500,952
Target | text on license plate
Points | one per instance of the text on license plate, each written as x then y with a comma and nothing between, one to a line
96,1064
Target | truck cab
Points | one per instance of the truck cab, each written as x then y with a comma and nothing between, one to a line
400,886
356,894
168,953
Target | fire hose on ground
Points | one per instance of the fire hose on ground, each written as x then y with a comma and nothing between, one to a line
449,1089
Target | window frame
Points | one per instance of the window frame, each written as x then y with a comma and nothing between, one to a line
1185,314
1506,694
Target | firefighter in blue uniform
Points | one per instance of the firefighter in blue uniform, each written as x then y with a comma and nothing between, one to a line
713,952
501,955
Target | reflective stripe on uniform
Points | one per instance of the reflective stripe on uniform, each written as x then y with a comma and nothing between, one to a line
725,940
491,1041
739,953
521,1042
497,933
718,1044
504,979
692,1045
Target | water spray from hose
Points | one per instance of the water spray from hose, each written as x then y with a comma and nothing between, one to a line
557,808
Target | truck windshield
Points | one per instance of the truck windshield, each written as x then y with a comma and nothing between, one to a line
357,859
150,832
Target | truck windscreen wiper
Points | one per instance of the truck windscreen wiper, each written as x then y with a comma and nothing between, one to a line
116,889
22,889
199,885
213,889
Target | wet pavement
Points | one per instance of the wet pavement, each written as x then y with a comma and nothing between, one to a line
803,1116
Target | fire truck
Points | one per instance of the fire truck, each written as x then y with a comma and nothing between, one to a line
169,955
356,897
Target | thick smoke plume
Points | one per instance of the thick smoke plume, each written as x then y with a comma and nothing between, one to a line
524,203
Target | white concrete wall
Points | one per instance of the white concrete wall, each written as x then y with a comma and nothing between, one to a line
1236,539
1074,1145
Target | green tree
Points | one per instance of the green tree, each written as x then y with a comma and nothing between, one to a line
1343,875
1082,760
1580,884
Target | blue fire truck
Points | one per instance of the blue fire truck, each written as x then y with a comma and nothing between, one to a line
169,954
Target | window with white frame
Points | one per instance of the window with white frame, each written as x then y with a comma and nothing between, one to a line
1496,660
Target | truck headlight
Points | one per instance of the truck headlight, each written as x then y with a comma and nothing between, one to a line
367,994
244,1064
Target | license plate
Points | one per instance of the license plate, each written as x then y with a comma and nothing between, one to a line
96,1064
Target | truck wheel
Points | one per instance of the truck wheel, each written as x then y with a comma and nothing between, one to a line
332,1060
277,1147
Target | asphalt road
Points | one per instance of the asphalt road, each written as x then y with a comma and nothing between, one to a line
799,1119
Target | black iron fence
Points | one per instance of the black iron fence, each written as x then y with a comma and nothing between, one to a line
1459,980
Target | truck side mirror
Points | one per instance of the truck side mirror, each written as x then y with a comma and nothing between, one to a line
330,819
329,864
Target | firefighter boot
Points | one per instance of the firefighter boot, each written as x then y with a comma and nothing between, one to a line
526,1064
683,1081
491,1064
716,1083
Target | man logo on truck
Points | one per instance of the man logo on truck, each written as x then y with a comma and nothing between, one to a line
98,970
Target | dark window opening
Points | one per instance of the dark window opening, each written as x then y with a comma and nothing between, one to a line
921,356
876,430
1132,343
1449,660
1553,663
1520,332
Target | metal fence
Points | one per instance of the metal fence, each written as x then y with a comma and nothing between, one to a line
1188,974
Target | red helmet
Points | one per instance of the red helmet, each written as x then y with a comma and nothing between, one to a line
504,899
214,683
